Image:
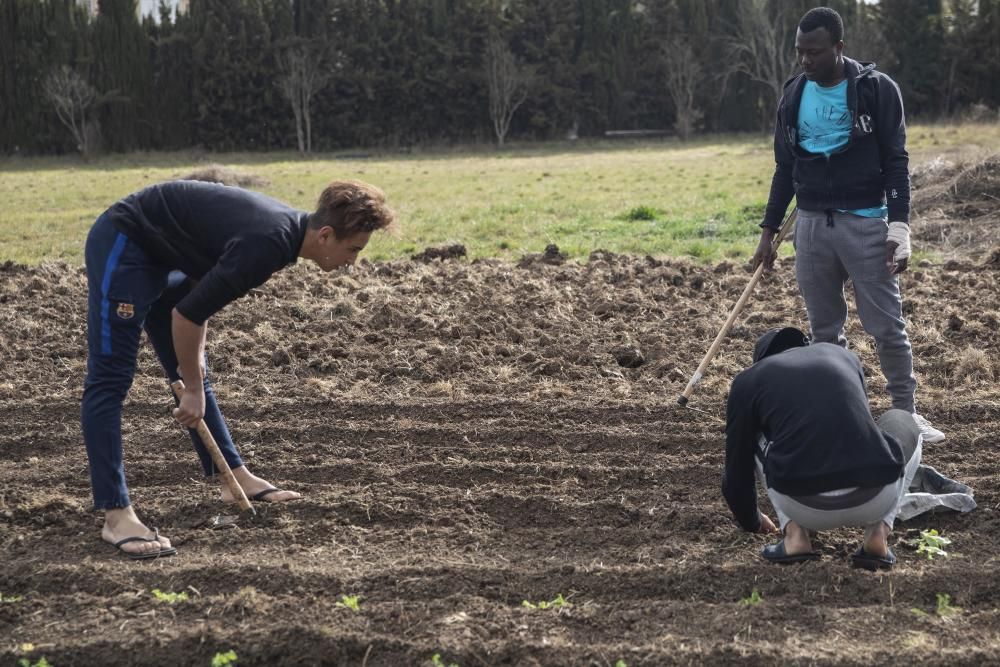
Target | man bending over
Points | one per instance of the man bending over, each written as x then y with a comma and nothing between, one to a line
164,260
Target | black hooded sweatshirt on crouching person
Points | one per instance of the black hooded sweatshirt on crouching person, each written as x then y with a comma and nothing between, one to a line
228,239
810,403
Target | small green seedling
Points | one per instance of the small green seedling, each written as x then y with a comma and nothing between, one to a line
10,598
42,662
754,599
555,603
621,663
438,662
224,659
352,602
930,543
169,598
944,607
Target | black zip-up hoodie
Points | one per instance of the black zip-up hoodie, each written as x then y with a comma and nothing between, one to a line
871,169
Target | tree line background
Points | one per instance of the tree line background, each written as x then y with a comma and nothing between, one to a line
327,74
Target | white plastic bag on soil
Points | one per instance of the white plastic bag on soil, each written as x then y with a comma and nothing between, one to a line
931,491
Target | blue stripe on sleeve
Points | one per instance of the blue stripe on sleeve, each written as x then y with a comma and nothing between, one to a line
109,269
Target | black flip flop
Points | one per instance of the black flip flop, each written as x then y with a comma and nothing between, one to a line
169,551
775,553
867,561
259,497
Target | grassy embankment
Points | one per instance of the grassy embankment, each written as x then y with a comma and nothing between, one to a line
702,199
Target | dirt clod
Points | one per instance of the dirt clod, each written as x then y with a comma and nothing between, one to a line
552,255
453,251
628,357
281,357
993,259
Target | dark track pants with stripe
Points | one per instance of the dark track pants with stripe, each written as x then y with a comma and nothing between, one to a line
128,293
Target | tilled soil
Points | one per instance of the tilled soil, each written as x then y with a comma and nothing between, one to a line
469,436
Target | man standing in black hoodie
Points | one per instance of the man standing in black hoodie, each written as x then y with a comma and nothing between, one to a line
840,150
166,259
799,419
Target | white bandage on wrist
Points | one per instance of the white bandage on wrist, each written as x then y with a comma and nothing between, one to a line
899,232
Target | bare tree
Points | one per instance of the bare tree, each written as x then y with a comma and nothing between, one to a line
508,84
304,72
683,76
72,97
760,44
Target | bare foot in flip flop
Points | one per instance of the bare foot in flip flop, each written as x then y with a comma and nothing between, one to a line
795,547
876,541
874,553
258,489
797,539
123,530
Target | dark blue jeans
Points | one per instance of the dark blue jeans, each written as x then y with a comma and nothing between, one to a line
130,292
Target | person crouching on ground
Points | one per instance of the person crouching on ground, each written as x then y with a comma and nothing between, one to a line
164,260
799,419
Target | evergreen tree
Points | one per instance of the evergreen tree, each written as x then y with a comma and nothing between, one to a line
37,37
122,72
236,103
915,30
170,112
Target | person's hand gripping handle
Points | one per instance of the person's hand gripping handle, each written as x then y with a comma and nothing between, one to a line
761,262
217,458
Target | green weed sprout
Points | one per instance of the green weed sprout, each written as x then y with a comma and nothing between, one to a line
28,647
26,662
555,603
224,659
10,598
438,662
352,602
169,598
944,607
754,599
621,663
42,662
930,543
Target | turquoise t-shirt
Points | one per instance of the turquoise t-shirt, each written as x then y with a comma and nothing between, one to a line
825,127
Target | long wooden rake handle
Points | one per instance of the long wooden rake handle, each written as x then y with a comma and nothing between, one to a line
783,231
217,458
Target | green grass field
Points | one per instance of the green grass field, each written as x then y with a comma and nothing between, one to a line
702,199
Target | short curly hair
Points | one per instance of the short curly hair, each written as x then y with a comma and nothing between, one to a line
351,207
823,17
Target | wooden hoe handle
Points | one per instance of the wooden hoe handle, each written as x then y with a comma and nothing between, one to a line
786,226
217,458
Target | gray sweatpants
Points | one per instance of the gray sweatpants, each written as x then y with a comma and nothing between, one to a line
826,256
853,506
